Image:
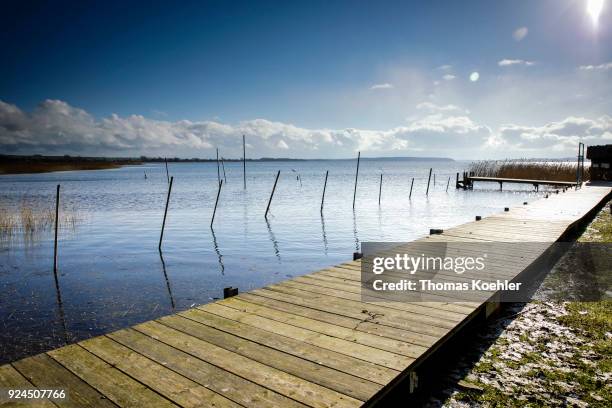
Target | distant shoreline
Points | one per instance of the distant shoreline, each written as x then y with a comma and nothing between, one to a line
13,164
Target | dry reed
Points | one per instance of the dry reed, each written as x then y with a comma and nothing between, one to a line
31,219
526,169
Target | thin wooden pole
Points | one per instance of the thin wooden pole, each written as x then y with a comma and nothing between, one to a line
167,174
428,180
161,236
218,171
434,183
380,190
356,177
447,184
223,166
324,187
411,184
244,161
216,202
57,195
271,195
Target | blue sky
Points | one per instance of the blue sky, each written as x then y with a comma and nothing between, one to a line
312,79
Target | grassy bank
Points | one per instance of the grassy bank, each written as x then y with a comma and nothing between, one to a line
548,353
45,164
525,169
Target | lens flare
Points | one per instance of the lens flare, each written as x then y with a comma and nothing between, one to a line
594,8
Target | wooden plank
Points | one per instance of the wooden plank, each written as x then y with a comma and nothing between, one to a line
117,386
363,312
282,302
355,287
231,386
174,387
319,374
11,378
367,339
283,383
44,372
376,356
416,308
391,317
341,362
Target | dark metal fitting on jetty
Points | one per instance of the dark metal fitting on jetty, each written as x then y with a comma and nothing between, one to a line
229,292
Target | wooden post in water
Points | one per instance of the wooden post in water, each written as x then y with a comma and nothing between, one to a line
216,202
271,195
380,190
447,184
324,187
56,226
167,174
244,161
356,177
434,183
223,166
428,180
218,170
161,236
411,184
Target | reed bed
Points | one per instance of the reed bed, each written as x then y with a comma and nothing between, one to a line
30,219
527,169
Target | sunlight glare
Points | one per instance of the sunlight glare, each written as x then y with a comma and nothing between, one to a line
594,8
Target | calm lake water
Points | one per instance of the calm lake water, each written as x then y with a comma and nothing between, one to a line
111,273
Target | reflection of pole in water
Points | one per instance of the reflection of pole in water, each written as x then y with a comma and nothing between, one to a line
273,239
324,234
219,256
355,231
60,309
161,257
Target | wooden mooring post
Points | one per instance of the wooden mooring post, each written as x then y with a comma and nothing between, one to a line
271,195
411,184
356,177
428,181
447,184
218,169
324,187
167,173
161,236
216,202
380,189
57,195
244,161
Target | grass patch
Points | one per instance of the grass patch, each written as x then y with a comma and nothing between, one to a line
30,219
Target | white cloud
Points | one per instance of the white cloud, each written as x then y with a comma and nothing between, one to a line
600,67
449,77
382,86
508,62
520,33
55,127
445,67
432,107
561,136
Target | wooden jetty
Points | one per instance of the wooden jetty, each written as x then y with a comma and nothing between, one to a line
467,182
306,342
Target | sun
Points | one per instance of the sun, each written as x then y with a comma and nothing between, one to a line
594,8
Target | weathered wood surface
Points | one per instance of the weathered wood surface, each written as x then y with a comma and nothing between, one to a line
524,181
307,342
